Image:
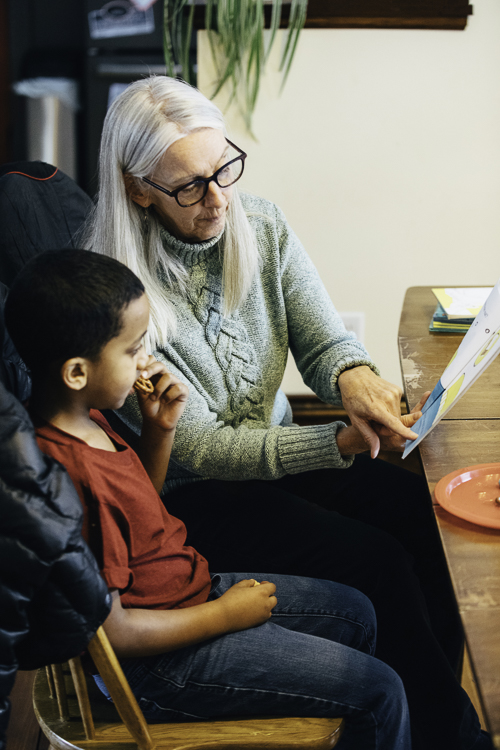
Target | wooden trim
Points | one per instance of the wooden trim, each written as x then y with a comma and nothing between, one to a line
308,409
389,14
82,695
373,14
111,672
335,22
61,695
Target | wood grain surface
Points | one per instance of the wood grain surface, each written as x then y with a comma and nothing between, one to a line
469,435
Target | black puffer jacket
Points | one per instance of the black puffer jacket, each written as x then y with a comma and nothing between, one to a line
13,372
52,597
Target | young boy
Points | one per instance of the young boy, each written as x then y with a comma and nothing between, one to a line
192,645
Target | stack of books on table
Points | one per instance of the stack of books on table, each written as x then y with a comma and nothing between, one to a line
457,307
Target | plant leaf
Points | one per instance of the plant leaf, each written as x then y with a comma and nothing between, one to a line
235,30
168,52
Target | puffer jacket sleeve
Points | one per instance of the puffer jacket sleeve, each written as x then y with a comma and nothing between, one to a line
52,597
13,371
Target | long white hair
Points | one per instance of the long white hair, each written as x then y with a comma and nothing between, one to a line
141,124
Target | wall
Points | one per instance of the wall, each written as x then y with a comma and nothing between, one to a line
384,152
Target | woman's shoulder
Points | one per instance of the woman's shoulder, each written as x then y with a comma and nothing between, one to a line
257,208
274,235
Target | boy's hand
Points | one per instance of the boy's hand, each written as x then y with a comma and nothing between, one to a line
165,405
246,605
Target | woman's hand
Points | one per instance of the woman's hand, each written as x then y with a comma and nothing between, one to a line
367,399
246,605
350,440
162,408
390,441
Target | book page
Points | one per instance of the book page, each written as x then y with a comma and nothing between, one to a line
461,302
478,349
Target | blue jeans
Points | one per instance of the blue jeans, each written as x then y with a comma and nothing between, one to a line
314,657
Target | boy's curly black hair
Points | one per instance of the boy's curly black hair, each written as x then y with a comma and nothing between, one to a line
67,303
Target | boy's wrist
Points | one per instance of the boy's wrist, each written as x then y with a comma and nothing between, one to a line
151,426
222,618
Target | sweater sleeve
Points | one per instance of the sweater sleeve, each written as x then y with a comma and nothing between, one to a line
319,342
207,446
211,449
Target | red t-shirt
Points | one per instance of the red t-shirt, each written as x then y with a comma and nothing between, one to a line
138,545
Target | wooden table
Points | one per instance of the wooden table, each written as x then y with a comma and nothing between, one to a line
469,434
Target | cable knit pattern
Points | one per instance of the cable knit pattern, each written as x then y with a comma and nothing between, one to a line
237,423
233,351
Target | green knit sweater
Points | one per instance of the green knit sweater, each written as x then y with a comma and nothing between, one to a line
237,422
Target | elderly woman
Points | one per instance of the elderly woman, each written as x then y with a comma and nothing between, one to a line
231,290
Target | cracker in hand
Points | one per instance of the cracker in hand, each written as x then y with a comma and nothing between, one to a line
143,385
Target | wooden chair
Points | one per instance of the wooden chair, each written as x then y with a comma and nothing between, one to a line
78,716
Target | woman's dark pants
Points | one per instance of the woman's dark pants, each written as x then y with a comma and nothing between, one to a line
371,527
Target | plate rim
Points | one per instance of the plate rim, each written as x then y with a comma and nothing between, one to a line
467,516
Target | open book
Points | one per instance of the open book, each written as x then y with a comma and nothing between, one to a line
478,349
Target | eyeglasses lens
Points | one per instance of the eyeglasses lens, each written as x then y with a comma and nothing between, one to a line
230,174
191,194
195,192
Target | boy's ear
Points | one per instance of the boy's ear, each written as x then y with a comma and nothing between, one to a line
140,196
74,373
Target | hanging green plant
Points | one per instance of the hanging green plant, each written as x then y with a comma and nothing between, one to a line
236,35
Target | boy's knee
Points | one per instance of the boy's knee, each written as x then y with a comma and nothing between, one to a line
363,611
358,607
330,596
349,604
391,692
361,605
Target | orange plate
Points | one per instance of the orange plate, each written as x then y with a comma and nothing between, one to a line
470,493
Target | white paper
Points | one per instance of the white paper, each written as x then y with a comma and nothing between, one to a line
462,302
480,346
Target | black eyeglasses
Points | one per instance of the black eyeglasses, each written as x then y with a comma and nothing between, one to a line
194,192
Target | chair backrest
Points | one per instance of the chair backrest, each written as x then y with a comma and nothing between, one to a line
265,733
41,208
111,672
